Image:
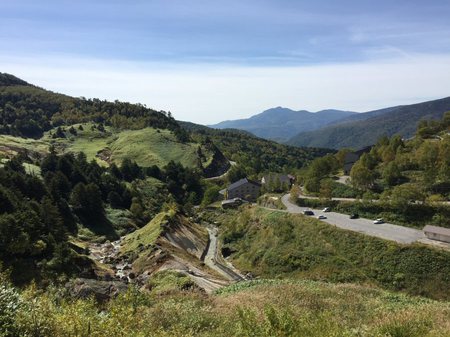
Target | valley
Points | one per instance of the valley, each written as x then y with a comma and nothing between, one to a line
113,223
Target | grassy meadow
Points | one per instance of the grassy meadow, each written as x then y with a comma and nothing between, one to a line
146,147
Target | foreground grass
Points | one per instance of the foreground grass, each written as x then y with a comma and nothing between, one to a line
262,308
275,244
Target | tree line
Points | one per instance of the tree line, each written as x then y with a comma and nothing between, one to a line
29,111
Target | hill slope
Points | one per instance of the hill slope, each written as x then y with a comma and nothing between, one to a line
29,111
275,244
282,123
32,119
365,129
253,153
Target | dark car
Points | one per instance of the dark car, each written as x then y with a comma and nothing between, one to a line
308,212
354,216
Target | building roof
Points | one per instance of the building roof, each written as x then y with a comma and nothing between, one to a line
241,182
352,157
364,150
437,230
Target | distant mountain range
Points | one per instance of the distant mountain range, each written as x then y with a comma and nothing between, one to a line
365,128
335,128
281,123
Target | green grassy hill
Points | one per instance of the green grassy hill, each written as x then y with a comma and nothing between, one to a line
275,244
146,146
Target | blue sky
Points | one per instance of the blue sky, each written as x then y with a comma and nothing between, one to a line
212,60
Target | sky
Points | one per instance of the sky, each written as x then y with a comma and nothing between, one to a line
208,61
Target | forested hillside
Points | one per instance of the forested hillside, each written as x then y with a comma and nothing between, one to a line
29,111
356,132
408,179
71,197
255,155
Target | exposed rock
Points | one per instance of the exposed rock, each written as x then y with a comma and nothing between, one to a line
101,290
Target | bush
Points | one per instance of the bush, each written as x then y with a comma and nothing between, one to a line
275,244
10,304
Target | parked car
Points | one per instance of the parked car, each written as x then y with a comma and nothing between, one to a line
321,217
354,216
378,221
308,212
326,209
230,203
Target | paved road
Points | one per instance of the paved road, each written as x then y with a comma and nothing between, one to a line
384,231
232,163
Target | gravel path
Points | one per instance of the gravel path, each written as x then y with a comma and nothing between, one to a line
215,261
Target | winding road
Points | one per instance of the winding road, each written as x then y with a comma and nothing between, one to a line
215,260
385,231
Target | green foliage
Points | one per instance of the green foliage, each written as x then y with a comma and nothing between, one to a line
255,155
410,215
319,169
344,191
429,128
147,146
169,282
29,111
183,183
273,244
211,195
362,174
256,308
391,174
147,235
367,128
10,304
87,201
326,189
236,173
403,195
271,201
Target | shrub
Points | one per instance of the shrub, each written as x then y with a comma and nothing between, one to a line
10,303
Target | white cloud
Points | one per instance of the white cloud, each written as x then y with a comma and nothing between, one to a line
208,93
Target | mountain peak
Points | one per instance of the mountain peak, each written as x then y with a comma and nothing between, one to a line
281,123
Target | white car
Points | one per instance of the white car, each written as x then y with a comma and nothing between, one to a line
378,221
321,217
326,209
